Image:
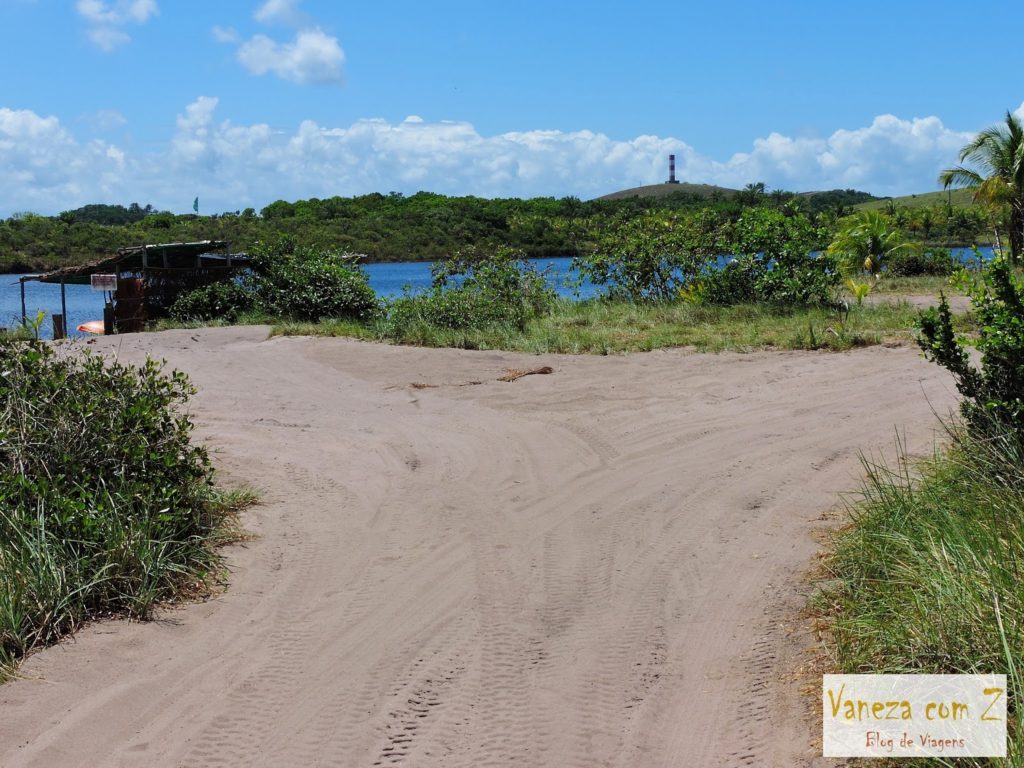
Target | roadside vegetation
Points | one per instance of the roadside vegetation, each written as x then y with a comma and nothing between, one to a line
927,576
107,508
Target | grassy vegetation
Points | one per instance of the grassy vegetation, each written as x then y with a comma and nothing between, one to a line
106,507
959,197
927,578
602,327
918,285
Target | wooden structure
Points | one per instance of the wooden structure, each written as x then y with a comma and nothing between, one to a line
149,277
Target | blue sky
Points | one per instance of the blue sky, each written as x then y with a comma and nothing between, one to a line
245,101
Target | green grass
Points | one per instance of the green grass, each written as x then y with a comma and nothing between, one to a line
960,197
921,285
106,506
929,575
598,327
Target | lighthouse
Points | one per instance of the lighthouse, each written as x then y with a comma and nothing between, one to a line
672,170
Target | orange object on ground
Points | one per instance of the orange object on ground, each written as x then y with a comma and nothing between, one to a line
93,326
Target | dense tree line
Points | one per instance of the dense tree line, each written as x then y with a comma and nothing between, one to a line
396,227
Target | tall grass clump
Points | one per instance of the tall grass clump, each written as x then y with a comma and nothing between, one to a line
929,576
106,506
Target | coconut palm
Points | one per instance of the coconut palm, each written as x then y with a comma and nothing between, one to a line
997,178
866,240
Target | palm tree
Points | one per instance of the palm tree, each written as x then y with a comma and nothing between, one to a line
866,240
998,155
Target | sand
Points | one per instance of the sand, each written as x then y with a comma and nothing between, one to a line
602,566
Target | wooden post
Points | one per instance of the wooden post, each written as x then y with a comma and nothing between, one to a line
24,314
63,303
59,328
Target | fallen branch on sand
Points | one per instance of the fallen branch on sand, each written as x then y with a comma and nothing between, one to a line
511,374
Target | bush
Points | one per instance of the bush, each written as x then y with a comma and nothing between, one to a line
775,263
475,289
652,257
105,504
994,393
913,263
218,301
310,284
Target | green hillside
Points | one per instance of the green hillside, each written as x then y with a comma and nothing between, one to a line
666,190
956,196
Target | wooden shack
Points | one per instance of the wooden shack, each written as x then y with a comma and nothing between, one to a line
149,278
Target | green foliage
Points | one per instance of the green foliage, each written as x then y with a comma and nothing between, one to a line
866,241
775,264
105,504
651,257
474,289
994,393
914,263
218,301
309,284
107,214
602,326
859,290
657,257
402,228
997,175
927,580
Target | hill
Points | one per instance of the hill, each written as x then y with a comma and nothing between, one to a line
963,197
667,190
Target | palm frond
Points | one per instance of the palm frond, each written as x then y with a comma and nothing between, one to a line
960,177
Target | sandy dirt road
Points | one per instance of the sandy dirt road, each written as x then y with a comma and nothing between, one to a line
598,567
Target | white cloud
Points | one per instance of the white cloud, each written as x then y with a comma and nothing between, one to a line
225,34
280,12
312,57
44,167
106,19
105,119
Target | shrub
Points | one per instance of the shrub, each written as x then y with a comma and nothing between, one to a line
651,257
775,264
105,504
934,261
475,289
217,301
995,391
310,284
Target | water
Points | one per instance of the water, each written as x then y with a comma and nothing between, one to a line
388,280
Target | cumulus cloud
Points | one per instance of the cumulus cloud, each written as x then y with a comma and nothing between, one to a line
312,57
107,19
42,166
232,166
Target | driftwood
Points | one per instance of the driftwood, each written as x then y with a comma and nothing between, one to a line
511,374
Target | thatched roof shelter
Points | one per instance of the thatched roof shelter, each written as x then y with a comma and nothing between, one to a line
139,259
150,277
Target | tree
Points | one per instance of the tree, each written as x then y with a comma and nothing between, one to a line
997,154
867,240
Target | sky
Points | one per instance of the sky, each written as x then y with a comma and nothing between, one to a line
243,102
